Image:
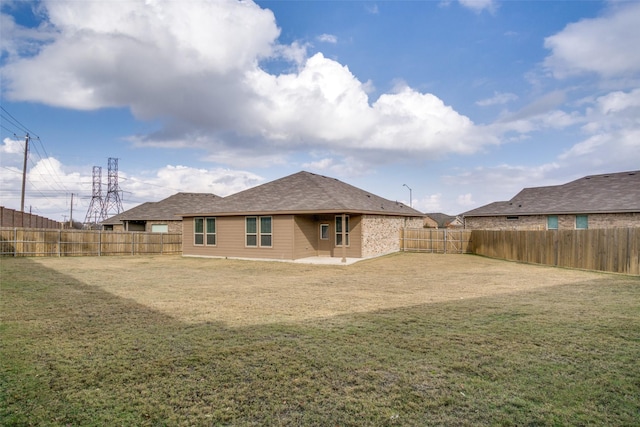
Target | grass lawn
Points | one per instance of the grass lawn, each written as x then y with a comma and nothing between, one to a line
407,339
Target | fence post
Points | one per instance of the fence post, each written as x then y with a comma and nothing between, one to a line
59,243
15,242
445,240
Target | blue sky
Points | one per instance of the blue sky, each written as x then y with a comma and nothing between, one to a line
465,102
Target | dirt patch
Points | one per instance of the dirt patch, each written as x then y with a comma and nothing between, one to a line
240,293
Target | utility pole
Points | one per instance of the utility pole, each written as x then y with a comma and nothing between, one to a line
71,213
24,171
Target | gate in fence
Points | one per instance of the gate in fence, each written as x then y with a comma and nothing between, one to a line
445,241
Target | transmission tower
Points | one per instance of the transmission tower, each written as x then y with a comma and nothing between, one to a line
112,203
94,213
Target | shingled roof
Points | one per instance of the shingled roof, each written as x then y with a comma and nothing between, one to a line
164,210
606,193
303,192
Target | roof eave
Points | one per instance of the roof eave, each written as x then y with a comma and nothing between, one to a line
304,212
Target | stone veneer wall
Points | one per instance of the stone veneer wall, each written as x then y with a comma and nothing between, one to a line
381,233
565,222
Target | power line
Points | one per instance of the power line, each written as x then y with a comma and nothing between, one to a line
20,126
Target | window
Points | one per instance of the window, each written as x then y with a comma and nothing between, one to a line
202,227
324,231
211,231
252,231
339,230
512,218
258,226
552,222
198,231
159,228
582,222
265,231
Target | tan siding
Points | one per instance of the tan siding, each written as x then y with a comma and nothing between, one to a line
306,232
355,237
230,239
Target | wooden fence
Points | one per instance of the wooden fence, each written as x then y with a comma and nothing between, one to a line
47,242
445,241
14,218
614,250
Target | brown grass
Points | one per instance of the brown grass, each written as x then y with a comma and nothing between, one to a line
242,293
408,339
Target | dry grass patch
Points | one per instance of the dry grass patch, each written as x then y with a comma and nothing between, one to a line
410,339
241,293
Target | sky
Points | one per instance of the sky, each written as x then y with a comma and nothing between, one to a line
444,105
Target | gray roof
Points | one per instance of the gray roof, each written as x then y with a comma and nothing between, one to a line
606,193
303,192
441,219
164,210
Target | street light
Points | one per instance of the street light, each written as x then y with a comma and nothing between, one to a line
410,196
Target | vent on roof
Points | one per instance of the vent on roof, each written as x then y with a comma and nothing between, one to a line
632,173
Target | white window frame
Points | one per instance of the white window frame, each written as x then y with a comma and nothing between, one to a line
259,233
324,231
339,233
159,228
204,234
208,233
253,233
263,233
197,233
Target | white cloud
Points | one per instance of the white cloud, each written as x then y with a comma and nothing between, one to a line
140,54
195,67
11,146
171,179
613,132
479,5
607,45
498,98
328,38
50,185
465,200
429,203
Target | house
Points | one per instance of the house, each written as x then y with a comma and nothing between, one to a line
298,216
441,220
158,216
429,222
595,201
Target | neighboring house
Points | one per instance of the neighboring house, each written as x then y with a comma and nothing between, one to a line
158,216
298,216
441,220
595,201
429,222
